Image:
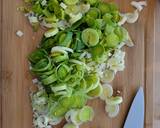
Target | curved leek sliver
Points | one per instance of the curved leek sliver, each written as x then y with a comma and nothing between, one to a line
59,87
114,100
59,58
61,48
49,80
62,72
92,81
61,93
37,55
51,32
68,115
75,18
42,65
65,39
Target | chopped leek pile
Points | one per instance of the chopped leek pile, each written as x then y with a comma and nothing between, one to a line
78,56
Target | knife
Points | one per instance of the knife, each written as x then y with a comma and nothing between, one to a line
135,117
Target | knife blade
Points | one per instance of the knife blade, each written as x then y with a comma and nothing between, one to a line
135,117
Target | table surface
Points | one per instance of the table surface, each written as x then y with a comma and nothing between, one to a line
142,68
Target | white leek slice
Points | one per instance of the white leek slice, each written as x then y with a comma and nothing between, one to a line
48,25
68,115
114,100
107,91
139,5
112,110
59,88
132,17
55,121
44,2
108,76
84,8
32,19
70,125
61,48
129,42
51,32
75,118
75,18
63,5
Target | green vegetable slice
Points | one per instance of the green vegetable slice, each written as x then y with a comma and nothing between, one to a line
59,87
51,32
92,2
94,13
60,58
99,24
52,4
78,45
71,2
42,65
109,29
96,92
37,55
90,37
97,52
37,9
104,8
47,43
58,111
51,79
92,81
62,72
86,114
72,9
112,40
79,99
121,33
65,39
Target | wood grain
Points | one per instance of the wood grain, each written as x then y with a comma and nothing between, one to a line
0,63
157,68
16,80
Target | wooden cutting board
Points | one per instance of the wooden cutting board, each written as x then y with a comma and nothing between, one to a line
15,108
